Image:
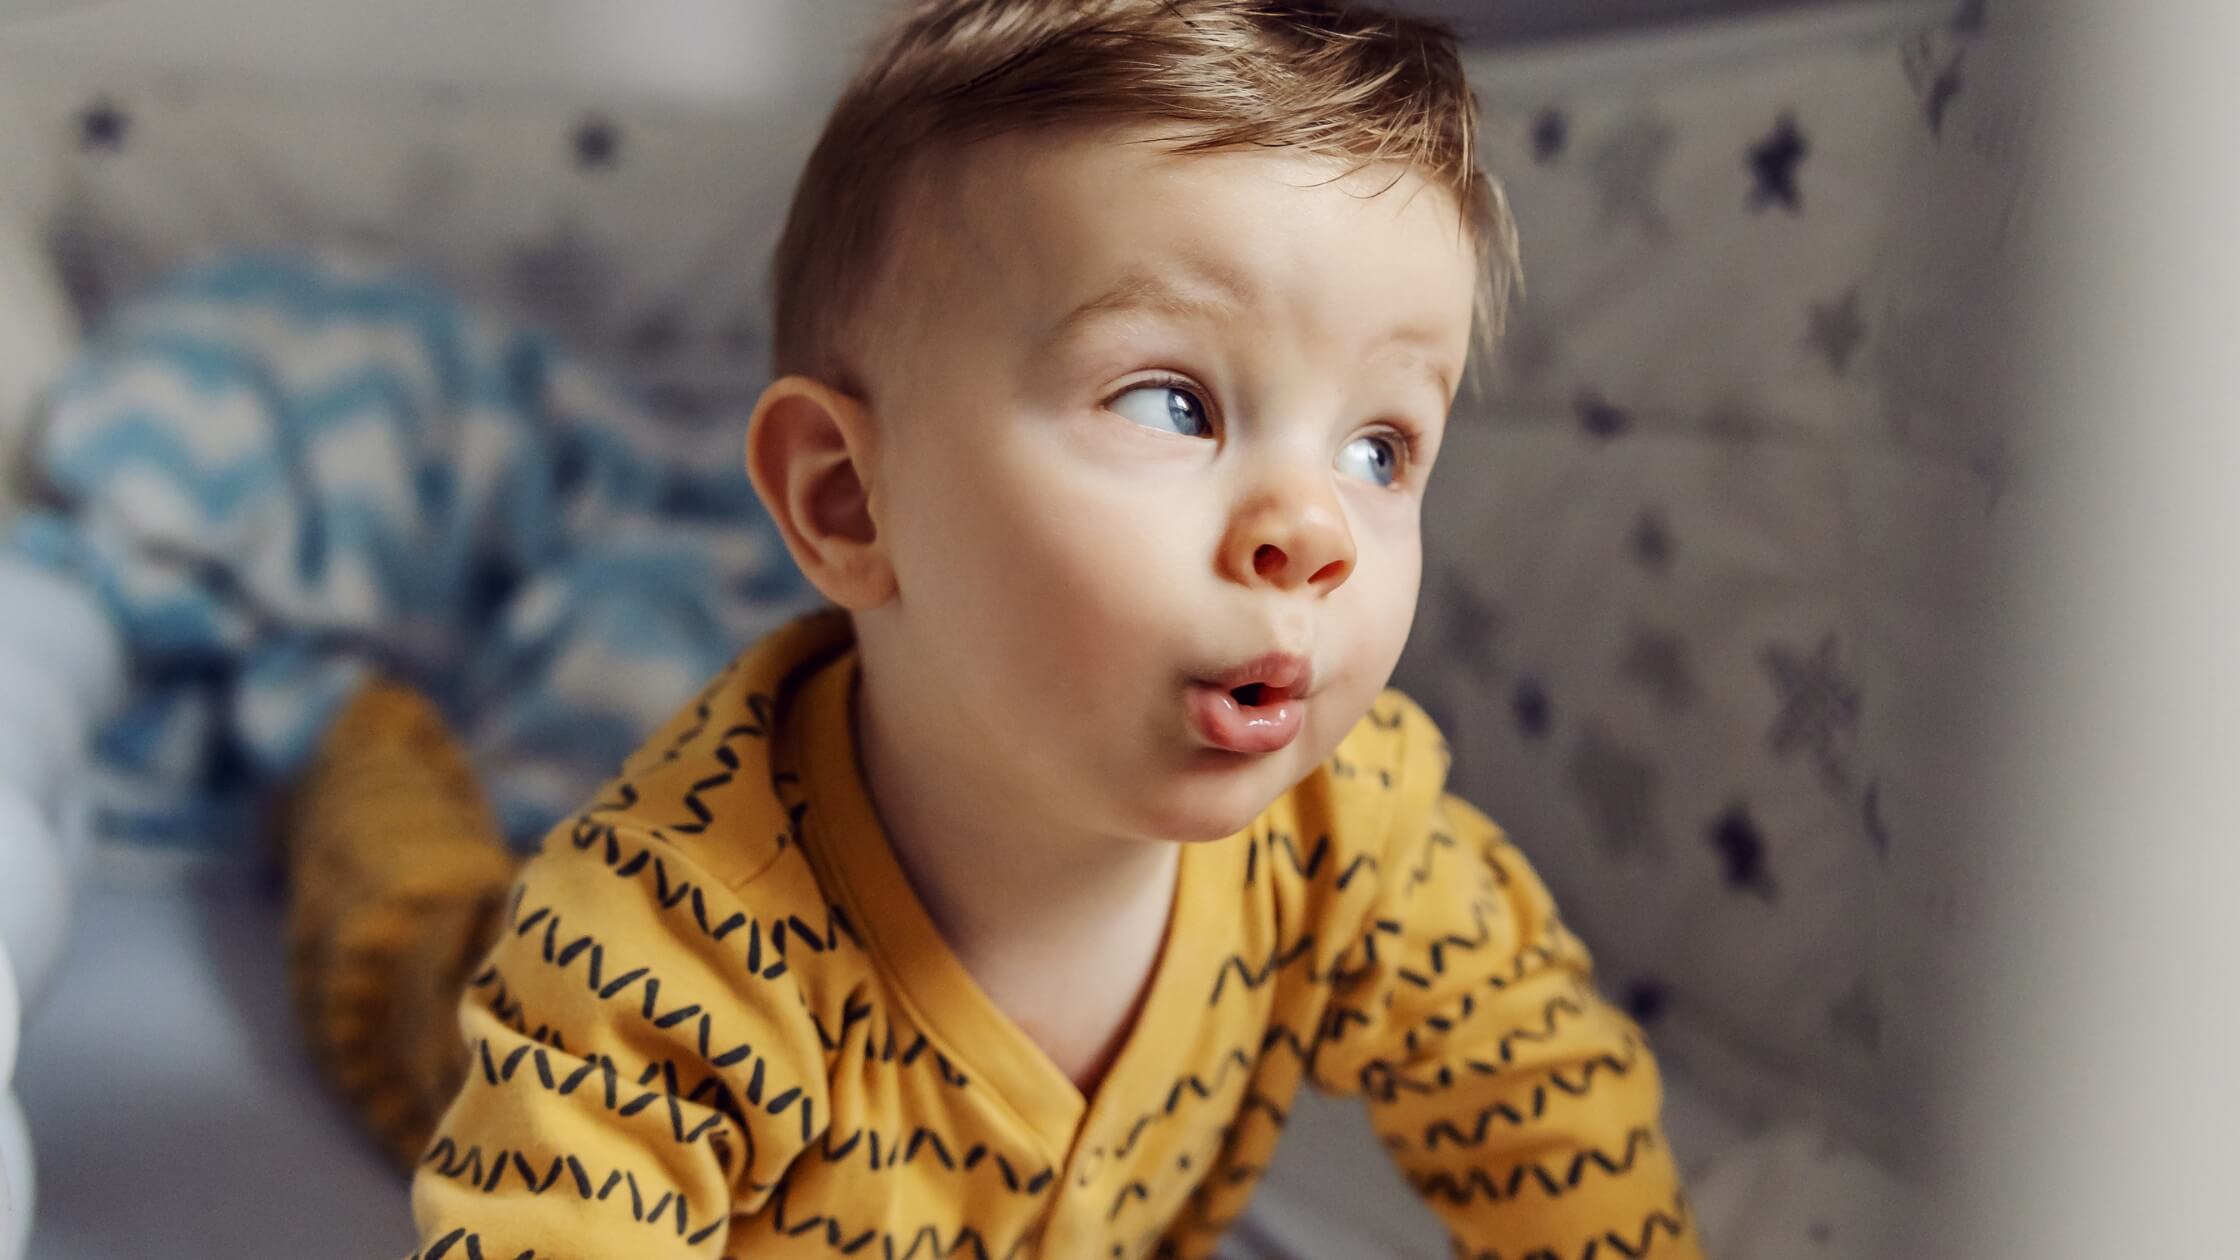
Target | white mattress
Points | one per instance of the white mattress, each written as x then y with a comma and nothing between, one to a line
171,1109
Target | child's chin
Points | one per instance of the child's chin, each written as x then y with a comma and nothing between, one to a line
1193,817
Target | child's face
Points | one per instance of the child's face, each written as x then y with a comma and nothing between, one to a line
1150,427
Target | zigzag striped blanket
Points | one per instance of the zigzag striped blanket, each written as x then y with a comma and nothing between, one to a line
281,473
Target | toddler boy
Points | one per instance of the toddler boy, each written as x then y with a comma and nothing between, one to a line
1002,911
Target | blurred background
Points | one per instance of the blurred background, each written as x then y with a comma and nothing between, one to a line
340,337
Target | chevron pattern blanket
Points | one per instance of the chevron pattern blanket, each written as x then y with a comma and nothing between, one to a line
282,475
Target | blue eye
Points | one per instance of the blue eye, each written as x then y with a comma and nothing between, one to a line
1167,408
1374,458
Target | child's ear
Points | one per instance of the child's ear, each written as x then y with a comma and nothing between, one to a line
810,455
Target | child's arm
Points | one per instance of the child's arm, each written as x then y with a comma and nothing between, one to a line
1522,1107
632,1083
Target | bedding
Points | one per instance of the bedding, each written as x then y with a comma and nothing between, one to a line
1707,554
283,475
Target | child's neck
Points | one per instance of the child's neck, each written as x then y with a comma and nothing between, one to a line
1060,926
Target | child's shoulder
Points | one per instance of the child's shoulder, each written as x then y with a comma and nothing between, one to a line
1386,776
700,816
722,784
1396,734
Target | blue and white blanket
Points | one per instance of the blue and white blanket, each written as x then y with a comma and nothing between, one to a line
281,474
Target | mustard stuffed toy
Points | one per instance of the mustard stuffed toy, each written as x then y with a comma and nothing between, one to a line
396,877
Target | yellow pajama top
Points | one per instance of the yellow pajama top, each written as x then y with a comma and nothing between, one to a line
717,1022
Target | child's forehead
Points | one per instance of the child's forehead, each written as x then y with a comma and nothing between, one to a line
1091,173
1097,216
1032,260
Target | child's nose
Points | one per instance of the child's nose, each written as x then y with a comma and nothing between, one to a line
1290,537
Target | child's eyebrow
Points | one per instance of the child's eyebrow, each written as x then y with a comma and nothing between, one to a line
1215,295
1419,346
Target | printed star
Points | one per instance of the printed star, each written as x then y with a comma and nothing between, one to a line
1819,705
1837,330
1600,417
562,278
1473,625
1773,165
1652,542
1626,167
1618,789
1550,131
1645,999
103,127
1657,661
1943,90
1932,66
1535,715
596,144
1742,850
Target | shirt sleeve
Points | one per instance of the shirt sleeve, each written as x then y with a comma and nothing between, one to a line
1521,1106
641,1070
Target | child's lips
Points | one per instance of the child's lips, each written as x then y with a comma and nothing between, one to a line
1258,707
1228,723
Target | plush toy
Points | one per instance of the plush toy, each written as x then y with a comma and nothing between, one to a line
397,875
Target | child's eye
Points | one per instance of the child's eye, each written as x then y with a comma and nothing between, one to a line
1374,458
1167,408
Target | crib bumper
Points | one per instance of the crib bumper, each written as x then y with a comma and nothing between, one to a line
16,1184
61,670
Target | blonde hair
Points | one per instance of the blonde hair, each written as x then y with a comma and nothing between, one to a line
1323,77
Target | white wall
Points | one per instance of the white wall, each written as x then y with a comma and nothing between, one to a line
729,52
692,52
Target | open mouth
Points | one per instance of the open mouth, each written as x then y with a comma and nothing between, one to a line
1262,693
1258,707
1256,695
1271,678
